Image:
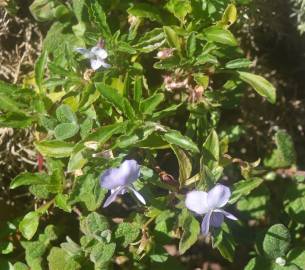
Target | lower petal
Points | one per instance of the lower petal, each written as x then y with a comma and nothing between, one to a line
96,63
205,225
216,219
228,215
113,195
138,195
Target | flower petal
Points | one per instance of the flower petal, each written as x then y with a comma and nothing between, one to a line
105,65
226,214
127,173
99,52
216,219
96,63
218,196
205,225
113,195
138,195
85,52
197,202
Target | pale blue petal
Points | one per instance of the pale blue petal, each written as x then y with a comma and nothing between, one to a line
113,195
128,172
218,196
138,195
99,52
197,201
205,225
216,219
85,52
227,214
96,63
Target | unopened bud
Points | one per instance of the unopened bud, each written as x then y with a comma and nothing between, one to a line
165,53
91,145
280,261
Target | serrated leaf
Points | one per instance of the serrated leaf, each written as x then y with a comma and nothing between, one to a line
102,253
29,224
260,85
65,114
65,130
56,149
59,259
87,189
94,223
284,155
277,241
126,233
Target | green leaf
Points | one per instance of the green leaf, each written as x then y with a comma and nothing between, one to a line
151,41
238,63
229,16
211,147
144,10
65,114
185,165
93,224
176,138
180,8
170,110
126,233
40,68
56,149
148,105
219,35
59,259
20,266
191,44
260,85
87,189
65,130
78,8
297,256
100,18
244,188
277,241
28,179
172,38
284,155
294,202
168,63
61,201
10,105
191,230
45,10
29,224
6,247
258,263
111,95
102,253
225,244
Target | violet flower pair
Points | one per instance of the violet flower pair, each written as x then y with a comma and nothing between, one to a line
119,181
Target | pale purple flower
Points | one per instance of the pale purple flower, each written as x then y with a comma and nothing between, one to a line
209,203
96,55
119,180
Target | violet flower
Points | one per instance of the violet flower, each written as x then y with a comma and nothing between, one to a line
209,203
96,55
119,180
